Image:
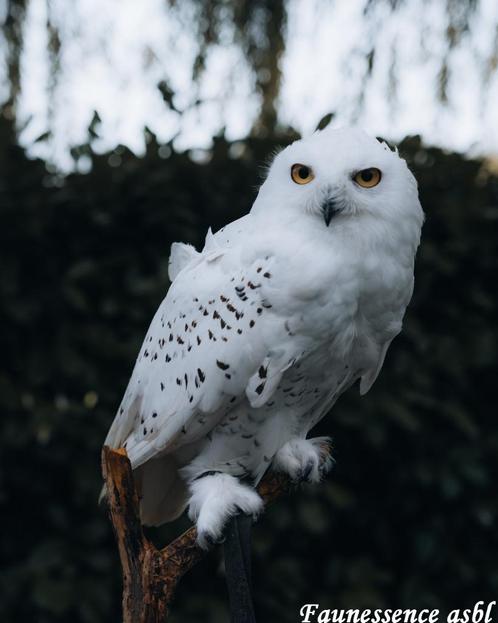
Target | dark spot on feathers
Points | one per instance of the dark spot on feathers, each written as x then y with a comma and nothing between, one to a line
252,323
262,372
253,286
178,381
259,310
141,420
205,313
198,340
194,324
229,376
222,365
222,323
162,389
259,269
224,338
259,389
179,340
223,298
239,288
191,399
145,431
215,315
233,398
239,331
167,358
267,275
201,374
186,380
170,337
231,308
186,327
210,333
146,353
155,414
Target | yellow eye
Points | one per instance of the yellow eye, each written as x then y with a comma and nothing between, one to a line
368,178
301,174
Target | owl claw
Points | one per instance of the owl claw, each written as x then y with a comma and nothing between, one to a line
209,540
304,460
214,500
305,473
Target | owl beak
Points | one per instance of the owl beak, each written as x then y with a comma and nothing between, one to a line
329,210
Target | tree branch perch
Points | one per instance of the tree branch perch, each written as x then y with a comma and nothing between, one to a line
151,575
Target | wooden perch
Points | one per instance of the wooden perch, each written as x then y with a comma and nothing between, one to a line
150,575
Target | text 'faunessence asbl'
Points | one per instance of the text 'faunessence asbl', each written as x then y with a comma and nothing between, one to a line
481,612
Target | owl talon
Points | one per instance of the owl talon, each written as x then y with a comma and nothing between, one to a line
306,472
214,500
210,540
304,460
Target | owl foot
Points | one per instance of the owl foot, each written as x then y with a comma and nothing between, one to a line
214,499
305,460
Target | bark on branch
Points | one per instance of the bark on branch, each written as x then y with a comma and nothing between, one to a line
151,575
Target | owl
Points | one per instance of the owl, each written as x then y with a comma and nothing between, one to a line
263,329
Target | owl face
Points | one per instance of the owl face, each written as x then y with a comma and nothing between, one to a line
341,174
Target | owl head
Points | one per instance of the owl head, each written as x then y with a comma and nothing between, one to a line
336,176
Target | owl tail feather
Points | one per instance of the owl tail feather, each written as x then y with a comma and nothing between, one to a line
163,494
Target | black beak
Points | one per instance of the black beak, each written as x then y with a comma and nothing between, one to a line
329,209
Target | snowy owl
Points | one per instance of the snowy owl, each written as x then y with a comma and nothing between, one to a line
261,331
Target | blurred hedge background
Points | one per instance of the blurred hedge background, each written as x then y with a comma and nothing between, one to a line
408,516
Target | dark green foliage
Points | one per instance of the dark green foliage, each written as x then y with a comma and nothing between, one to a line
407,517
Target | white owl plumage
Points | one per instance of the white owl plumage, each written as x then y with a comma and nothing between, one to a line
261,331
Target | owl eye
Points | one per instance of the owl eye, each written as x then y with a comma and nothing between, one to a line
368,178
301,174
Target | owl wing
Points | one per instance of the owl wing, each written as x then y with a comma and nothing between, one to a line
214,339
